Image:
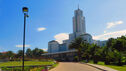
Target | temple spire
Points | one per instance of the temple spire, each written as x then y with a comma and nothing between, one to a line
78,6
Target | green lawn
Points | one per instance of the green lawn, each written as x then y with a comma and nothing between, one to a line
27,63
119,68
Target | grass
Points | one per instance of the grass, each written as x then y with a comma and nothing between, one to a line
54,65
27,63
119,68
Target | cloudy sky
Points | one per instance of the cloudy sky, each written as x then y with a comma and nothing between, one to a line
52,20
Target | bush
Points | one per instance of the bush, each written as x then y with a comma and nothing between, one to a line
16,69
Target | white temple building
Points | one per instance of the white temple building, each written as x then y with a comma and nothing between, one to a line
79,30
79,27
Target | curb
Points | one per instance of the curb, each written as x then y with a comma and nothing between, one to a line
94,66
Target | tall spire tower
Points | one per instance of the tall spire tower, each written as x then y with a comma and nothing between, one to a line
79,22
78,6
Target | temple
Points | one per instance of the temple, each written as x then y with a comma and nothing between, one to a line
62,51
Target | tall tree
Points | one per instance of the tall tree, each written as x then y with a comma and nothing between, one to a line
37,52
120,45
29,52
19,54
86,51
76,44
110,42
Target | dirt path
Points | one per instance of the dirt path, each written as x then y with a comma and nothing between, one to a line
71,66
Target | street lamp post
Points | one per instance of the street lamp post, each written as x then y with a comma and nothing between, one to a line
25,11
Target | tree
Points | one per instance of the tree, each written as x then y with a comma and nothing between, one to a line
9,54
96,53
1,55
120,45
107,55
29,52
76,44
110,42
37,52
118,57
91,51
86,51
115,50
19,54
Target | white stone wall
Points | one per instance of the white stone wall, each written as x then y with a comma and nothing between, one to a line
53,47
79,22
87,37
71,37
100,43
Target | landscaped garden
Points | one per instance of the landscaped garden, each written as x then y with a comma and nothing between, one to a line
29,65
10,61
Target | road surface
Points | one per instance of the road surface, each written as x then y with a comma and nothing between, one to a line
71,66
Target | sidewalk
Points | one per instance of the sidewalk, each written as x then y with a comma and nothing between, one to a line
103,68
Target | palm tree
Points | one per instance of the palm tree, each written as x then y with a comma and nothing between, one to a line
110,42
76,44
96,53
118,57
92,52
86,51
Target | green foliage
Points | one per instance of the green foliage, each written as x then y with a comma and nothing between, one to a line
37,52
76,44
29,52
19,63
119,68
19,54
27,65
37,69
17,69
113,53
10,56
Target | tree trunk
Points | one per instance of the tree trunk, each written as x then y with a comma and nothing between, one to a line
107,62
119,63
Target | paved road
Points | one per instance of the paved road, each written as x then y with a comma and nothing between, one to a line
71,66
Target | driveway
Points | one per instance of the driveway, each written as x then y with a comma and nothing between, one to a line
72,66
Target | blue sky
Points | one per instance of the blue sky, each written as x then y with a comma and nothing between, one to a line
52,19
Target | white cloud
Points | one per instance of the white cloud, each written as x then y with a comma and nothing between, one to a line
45,49
105,31
41,29
61,36
113,24
110,35
20,46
